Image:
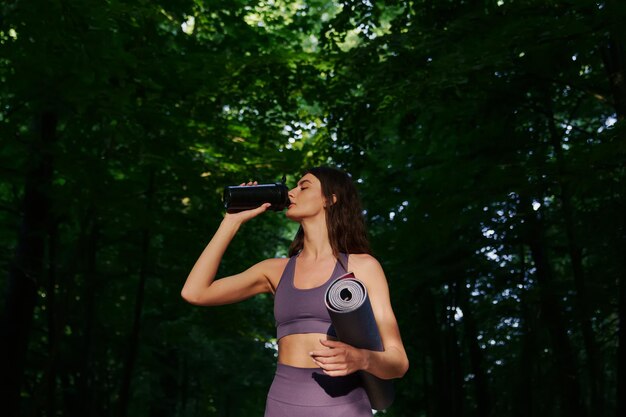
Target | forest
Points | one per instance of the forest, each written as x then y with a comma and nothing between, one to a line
487,140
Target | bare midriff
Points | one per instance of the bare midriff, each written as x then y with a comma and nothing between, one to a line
294,349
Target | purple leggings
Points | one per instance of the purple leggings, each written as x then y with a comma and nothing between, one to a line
308,392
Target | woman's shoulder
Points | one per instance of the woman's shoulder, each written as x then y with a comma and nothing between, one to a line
363,261
274,263
367,269
274,266
272,269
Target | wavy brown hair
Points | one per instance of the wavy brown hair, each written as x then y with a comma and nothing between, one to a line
344,218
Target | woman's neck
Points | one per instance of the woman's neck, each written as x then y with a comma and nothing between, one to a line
316,243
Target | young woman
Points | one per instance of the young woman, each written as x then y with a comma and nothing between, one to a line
315,374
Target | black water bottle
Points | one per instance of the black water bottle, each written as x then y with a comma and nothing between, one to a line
245,197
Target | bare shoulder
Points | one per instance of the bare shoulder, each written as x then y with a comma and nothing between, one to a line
273,269
363,261
365,266
274,264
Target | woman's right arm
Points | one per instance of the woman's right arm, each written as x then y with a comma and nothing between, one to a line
201,287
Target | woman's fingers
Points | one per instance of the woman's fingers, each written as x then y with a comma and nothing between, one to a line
244,216
261,208
249,214
332,366
339,358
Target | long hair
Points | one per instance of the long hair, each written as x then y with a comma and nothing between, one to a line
344,218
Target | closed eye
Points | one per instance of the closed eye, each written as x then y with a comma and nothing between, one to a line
301,184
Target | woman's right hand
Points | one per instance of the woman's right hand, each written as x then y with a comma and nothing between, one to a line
243,216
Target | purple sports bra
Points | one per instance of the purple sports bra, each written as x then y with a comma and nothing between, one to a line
303,310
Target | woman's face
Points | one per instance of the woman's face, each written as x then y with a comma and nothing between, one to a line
306,198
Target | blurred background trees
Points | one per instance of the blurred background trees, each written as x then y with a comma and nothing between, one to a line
487,139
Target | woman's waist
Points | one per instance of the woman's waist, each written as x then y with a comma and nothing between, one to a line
293,349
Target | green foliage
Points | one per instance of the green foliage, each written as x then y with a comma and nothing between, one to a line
464,123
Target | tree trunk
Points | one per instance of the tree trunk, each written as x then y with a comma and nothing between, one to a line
27,265
183,383
432,337
425,390
621,353
583,312
53,332
168,384
524,392
454,370
443,351
85,379
70,365
483,400
133,345
614,59
571,404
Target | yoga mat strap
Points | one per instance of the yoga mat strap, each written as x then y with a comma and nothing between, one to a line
352,317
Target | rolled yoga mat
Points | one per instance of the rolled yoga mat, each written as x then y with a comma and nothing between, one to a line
353,319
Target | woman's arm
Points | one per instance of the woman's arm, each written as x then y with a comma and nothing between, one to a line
342,359
200,287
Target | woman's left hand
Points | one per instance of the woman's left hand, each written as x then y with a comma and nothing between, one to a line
339,359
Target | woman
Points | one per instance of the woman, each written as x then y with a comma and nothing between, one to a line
315,374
